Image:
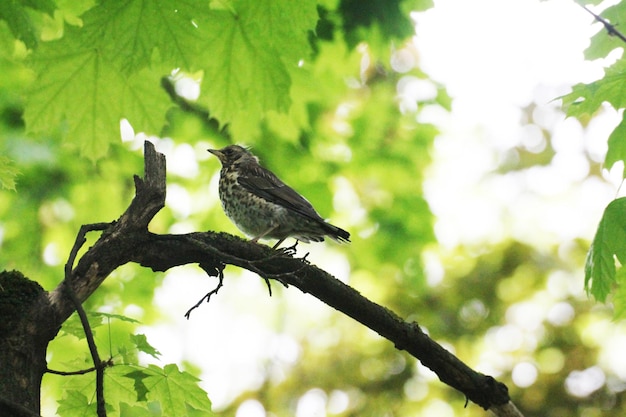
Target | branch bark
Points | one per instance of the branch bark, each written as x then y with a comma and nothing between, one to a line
128,240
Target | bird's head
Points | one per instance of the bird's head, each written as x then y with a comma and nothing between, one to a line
233,154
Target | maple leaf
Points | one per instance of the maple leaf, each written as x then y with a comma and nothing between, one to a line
250,49
609,243
78,86
129,32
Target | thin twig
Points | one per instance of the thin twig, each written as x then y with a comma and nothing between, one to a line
250,265
194,108
233,259
107,363
269,286
609,27
208,295
98,364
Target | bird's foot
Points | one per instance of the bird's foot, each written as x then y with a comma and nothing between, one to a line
288,251
305,260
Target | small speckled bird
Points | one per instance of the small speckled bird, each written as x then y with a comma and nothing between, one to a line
262,206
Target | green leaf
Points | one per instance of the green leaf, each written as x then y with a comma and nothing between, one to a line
8,172
129,32
120,388
114,316
137,410
409,6
619,294
138,377
587,98
141,342
602,43
249,52
608,243
19,21
76,403
76,85
71,9
111,64
617,146
46,6
173,389
386,14
73,325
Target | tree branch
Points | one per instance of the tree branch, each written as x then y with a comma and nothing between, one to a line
207,296
610,29
109,252
107,363
99,365
190,107
128,240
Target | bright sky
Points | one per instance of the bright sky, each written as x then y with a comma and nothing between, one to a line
493,52
493,56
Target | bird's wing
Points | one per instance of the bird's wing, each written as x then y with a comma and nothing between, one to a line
265,184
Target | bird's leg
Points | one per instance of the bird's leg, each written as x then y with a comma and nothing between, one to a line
279,242
270,230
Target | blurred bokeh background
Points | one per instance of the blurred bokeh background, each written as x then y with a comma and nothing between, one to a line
437,139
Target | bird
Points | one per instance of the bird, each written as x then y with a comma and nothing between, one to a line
264,207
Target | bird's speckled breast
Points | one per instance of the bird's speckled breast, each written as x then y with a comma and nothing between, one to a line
253,215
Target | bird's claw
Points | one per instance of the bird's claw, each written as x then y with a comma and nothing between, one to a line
305,260
289,251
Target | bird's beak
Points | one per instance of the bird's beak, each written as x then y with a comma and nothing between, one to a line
217,153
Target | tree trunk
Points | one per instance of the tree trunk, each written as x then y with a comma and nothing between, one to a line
25,330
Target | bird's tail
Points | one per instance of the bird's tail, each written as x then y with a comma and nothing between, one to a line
336,233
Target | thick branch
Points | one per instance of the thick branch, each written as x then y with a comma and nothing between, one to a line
114,246
128,240
163,252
